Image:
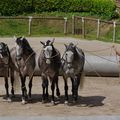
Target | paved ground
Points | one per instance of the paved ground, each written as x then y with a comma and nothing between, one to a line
100,96
64,118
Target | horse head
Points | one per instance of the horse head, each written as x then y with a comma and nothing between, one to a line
4,53
69,54
48,50
22,47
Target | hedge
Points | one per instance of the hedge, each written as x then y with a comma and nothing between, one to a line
16,7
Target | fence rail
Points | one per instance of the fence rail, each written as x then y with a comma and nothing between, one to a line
84,26
96,26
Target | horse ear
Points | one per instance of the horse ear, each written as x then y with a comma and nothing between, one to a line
52,41
23,37
74,46
14,37
42,43
65,46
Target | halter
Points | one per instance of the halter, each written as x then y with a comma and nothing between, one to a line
65,61
26,59
53,55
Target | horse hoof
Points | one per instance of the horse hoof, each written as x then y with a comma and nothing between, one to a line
23,102
74,101
58,98
53,102
12,96
43,101
66,102
9,100
29,98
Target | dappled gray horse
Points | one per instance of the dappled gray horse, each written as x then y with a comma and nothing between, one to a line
5,65
72,67
49,63
23,58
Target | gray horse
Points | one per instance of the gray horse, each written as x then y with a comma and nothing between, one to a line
23,57
72,67
49,63
5,62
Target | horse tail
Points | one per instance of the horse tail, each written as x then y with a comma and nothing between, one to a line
16,81
82,80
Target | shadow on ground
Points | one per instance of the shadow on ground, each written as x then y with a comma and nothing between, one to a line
90,101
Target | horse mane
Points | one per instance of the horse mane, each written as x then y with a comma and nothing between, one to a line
5,45
77,51
27,46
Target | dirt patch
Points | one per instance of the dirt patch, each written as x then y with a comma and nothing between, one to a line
100,96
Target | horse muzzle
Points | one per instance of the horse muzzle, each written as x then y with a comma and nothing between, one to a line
69,71
48,61
69,66
18,58
5,60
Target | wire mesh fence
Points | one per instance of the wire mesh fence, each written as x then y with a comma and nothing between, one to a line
84,27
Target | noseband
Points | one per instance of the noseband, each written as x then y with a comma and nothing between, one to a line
65,61
52,56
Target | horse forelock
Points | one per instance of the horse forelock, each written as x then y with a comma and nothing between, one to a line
26,46
18,40
2,45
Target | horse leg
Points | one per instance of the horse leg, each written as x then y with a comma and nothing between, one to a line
43,86
57,88
7,91
30,88
72,80
12,82
76,85
23,89
46,85
66,90
53,88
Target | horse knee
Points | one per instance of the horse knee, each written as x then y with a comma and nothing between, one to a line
6,85
66,87
52,87
30,85
43,85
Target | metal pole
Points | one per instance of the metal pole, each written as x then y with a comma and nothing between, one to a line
98,28
83,27
73,24
65,25
114,31
30,20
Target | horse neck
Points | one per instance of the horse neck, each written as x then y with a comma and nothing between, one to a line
54,52
27,54
76,55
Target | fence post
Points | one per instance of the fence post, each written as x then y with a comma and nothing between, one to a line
98,28
30,20
114,31
73,24
83,27
65,25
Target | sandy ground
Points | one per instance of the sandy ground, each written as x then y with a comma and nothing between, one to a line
100,96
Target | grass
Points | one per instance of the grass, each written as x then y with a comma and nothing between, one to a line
45,27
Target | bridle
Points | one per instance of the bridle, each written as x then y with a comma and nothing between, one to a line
53,56
65,60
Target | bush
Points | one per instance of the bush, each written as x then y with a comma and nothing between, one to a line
103,7
99,7
16,7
